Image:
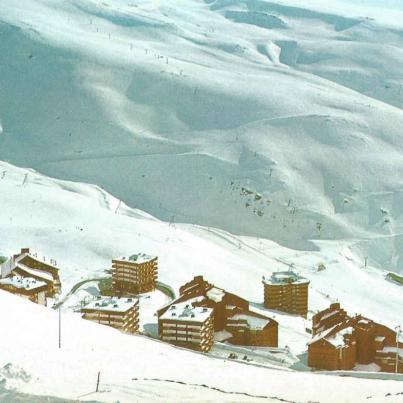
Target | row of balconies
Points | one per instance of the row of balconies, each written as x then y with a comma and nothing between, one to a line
199,341
107,316
167,325
287,301
147,272
193,329
183,333
301,303
132,265
134,279
196,340
134,269
285,297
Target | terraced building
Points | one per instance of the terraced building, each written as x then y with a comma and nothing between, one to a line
29,265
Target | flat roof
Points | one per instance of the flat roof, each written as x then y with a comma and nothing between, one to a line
137,258
253,321
26,283
285,277
185,311
115,304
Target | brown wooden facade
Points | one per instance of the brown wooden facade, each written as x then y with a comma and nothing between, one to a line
328,318
367,342
134,275
335,350
187,326
287,292
246,332
230,313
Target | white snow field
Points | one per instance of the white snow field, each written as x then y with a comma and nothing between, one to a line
262,118
83,227
136,369
237,137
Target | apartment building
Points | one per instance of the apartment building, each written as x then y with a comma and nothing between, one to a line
120,313
213,297
334,348
136,274
248,328
341,342
26,287
232,315
286,291
30,265
187,326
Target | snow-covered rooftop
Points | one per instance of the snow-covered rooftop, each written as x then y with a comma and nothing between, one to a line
215,294
27,283
35,256
187,312
329,314
137,258
285,277
112,304
337,340
253,321
35,272
222,335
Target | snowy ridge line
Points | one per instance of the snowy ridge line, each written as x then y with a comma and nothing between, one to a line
279,399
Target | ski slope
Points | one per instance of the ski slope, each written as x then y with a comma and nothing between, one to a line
83,228
284,116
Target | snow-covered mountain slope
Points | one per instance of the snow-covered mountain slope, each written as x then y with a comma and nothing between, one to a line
260,118
83,227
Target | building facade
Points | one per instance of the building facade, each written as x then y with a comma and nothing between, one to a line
120,313
136,274
29,265
250,328
328,318
341,342
220,300
286,291
187,326
334,349
26,287
231,314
